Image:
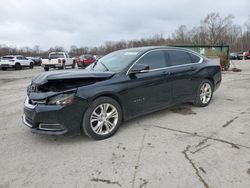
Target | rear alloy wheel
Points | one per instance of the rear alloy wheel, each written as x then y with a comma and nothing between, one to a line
18,66
204,93
102,119
46,68
4,68
31,65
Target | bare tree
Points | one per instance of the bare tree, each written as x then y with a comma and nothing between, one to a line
180,35
216,27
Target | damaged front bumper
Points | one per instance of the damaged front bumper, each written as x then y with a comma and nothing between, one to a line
45,128
55,119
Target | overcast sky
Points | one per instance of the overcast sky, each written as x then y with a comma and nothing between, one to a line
64,23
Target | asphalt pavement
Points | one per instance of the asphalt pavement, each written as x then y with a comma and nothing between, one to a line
184,146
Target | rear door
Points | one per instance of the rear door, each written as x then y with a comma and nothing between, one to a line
26,61
183,69
19,59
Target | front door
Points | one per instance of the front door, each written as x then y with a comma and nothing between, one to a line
150,90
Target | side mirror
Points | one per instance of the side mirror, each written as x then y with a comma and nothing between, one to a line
139,68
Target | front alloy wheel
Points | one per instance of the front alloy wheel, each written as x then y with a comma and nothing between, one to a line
102,119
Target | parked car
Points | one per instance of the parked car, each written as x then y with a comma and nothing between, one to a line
246,55
58,60
233,56
15,61
85,60
97,57
120,86
240,55
37,60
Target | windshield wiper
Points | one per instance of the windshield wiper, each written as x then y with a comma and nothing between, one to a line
94,65
104,66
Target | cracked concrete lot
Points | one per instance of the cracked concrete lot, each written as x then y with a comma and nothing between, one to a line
184,146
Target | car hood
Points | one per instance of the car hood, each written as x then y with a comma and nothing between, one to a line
52,83
69,74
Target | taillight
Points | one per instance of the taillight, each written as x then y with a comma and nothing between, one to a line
59,60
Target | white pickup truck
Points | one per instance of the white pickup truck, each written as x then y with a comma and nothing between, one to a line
58,60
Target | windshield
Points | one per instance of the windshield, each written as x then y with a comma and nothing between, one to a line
115,61
55,56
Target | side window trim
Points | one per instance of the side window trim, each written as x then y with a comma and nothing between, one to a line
171,66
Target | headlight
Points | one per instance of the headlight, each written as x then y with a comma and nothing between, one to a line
62,99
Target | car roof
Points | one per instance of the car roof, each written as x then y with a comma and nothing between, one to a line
86,54
57,52
9,56
142,50
13,56
148,48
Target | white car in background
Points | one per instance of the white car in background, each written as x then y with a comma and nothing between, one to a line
15,61
58,60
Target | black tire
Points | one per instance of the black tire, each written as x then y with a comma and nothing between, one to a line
198,101
74,64
63,64
31,65
46,68
18,66
4,68
86,124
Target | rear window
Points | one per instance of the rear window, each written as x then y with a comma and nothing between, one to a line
179,57
7,57
194,58
86,56
55,56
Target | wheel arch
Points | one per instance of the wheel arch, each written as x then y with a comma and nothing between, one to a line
114,97
17,63
211,80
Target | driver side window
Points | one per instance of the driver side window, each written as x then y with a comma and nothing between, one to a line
154,60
